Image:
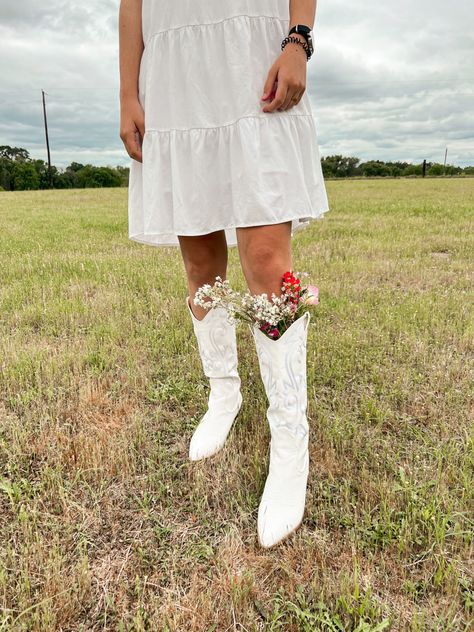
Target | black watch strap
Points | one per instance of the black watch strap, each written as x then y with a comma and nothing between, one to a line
300,28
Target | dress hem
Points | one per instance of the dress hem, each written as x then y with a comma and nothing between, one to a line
303,223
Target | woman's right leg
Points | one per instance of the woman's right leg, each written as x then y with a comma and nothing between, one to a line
204,257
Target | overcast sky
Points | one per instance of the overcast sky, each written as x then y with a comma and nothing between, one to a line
389,80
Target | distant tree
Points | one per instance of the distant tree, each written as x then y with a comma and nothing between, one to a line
452,170
339,166
413,170
374,168
397,168
124,173
75,167
436,169
43,173
469,171
14,153
70,176
94,177
25,177
64,179
6,173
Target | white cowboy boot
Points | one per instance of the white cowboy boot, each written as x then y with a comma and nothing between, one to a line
218,350
283,369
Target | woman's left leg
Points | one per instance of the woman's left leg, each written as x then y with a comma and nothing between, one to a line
265,254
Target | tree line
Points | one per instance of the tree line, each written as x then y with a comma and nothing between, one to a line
19,172
350,167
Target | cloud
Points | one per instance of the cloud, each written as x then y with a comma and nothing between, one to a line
395,80
388,80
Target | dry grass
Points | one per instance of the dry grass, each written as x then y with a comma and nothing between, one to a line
105,524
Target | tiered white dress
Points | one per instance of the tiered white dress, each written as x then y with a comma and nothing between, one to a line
212,159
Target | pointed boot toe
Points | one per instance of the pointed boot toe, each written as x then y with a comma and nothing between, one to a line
276,522
201,447
211,433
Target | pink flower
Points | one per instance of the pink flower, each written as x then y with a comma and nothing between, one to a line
272,332
312,298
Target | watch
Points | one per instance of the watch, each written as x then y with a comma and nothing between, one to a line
305,31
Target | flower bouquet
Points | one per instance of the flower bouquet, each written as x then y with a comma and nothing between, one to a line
272,316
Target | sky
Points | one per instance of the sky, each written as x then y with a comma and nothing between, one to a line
388,80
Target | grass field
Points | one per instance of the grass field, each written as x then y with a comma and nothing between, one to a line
104,523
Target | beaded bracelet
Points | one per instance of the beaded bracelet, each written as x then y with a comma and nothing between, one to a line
296,40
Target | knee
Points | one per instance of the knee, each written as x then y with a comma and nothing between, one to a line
264,262
202,265
199,271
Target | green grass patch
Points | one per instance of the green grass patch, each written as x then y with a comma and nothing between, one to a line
106,525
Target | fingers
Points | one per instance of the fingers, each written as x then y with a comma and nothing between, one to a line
140,124
288,94
297,98
132,141
289,101
270,82
279,99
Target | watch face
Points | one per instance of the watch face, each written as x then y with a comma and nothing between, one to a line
303,29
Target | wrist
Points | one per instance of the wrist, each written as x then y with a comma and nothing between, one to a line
294,43
295,46
299,36
128,95
302,34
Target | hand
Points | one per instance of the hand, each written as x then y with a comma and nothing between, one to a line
132,127
286,79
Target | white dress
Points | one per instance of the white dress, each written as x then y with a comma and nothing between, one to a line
212,159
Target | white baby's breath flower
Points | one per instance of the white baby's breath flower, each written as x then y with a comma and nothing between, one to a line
252,308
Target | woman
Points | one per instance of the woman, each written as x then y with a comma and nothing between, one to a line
215,116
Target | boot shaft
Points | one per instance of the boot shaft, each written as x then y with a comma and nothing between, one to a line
217,343
282,365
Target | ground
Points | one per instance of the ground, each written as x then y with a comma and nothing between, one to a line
106,525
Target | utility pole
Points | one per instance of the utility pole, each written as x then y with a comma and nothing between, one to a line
50,173
445,158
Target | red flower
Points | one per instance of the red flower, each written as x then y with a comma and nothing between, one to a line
291,287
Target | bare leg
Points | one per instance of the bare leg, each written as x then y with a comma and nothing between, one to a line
204,257
265,254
